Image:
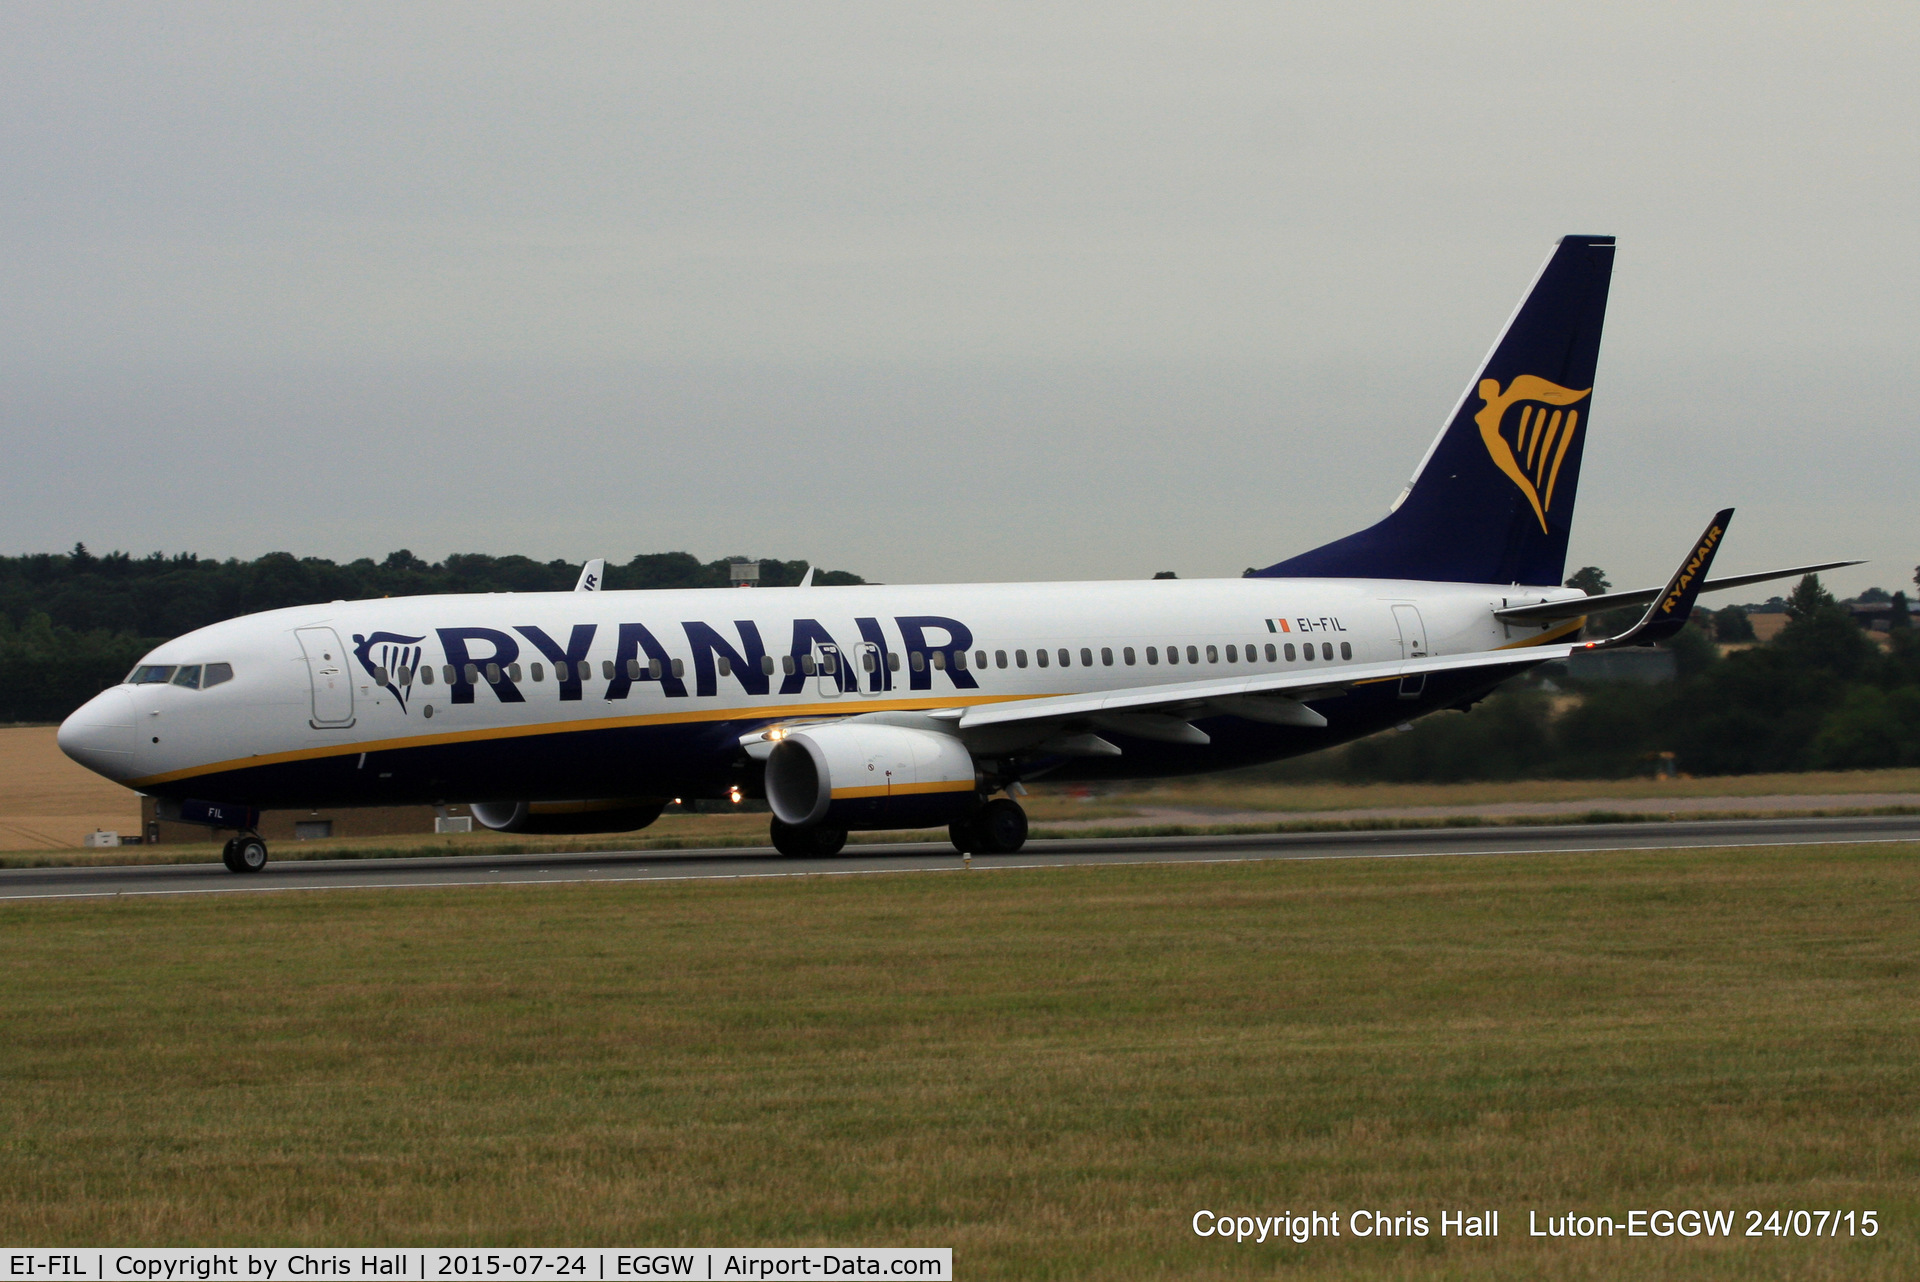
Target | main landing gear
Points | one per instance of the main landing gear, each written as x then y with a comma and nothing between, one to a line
817,842
245,853
997,828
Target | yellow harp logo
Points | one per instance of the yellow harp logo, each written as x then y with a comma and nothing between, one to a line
1529,447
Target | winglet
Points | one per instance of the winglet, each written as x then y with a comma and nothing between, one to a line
591,575
1669,611
806,580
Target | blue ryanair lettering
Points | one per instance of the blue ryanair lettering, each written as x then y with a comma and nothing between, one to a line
746,667
634,637
808,633
454,642
913,636
566,663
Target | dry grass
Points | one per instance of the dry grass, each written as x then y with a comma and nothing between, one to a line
47,800
1048,1070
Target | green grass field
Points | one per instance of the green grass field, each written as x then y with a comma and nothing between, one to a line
1048,1070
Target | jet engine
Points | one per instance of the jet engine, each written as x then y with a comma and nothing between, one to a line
854,774
555,817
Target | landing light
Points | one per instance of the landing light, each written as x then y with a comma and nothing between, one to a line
776,734
733,794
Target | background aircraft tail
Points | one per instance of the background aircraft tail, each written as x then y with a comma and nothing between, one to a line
1492,501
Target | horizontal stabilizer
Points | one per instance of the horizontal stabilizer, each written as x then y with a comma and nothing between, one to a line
1577,606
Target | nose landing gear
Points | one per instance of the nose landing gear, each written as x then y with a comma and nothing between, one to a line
245,853
997,828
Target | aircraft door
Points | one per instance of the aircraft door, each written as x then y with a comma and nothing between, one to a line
332,683
828,662
1413,645
869,677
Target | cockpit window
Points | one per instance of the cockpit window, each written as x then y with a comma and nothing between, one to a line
193,676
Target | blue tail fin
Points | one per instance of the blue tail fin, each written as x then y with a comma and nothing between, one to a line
1492,502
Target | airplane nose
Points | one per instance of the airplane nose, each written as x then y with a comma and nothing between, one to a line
100,734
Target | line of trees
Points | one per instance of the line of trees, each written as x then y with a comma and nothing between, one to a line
73,623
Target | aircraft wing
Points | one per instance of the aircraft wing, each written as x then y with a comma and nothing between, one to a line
1278,697
1547,611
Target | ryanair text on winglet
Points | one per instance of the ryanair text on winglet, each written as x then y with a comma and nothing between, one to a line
1701,555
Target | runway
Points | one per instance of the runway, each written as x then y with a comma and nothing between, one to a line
681,865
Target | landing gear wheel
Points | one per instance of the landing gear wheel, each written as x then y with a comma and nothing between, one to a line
244,854
998,828
818,842
964,838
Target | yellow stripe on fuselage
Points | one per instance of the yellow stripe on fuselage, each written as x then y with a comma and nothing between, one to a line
688,717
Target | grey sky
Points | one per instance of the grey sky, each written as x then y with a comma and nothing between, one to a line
964,293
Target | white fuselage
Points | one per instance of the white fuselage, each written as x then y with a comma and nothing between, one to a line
351,701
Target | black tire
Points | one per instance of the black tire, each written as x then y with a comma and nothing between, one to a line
1000,827
818,842
961,833
230,855
249,854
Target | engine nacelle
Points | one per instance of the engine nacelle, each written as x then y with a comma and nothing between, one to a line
566,817
854,774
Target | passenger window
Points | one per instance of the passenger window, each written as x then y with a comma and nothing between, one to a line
724,664
980,659
219,674
679,668
1306,651
1040,657
151,674
867,663
1153,656
1020,658
1106,656
493,674
893,661
189,676
538,671
1066,658
633,669
1271,658
1326,649
606,668
1086,657
1193,654
939,660
513,672
1213,654
919,661
1346,649
426,674
1000,659
786,664
766,664
473,674
829,664
1289,652
1233,654
379,675
807,666
1127,656
1173,654
586,670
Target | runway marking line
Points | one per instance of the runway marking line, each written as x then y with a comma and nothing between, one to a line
1027,867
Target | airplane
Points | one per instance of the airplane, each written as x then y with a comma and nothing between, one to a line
892,707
